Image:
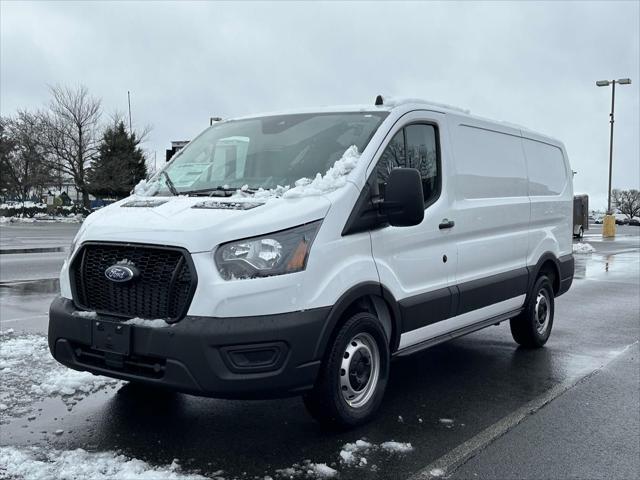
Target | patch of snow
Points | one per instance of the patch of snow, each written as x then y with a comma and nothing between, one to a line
400,419
396,447
143,322
446,421
436,472
307,469
28,373
334,178
583,248
35,464
351,453
84,314
322,470
146,188
347,457
69,382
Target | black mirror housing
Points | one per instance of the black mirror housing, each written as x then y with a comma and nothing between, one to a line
404,201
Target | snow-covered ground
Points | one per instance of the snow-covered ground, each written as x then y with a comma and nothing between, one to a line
359,453
28,373
36,464
43,219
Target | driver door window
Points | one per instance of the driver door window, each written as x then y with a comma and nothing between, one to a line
415,146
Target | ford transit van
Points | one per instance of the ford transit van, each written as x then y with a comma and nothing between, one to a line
305,250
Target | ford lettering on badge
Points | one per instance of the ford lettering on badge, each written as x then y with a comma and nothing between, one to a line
119,273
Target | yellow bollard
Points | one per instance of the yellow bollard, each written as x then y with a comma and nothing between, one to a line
609,226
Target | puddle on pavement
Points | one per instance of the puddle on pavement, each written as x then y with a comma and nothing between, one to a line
31,287
595,265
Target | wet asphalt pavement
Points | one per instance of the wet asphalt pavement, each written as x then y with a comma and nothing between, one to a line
475,381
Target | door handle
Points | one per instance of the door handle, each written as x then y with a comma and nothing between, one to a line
446,224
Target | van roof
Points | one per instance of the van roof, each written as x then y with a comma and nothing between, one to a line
397,103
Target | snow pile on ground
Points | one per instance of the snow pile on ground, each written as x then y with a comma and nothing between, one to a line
28,373
143,322
43,218
581,248
307,469
396,447
34,464
353,454
334,178
447,422
71,382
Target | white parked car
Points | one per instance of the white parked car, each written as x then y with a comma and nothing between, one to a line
314,250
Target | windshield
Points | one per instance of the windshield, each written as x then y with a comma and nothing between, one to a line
266,152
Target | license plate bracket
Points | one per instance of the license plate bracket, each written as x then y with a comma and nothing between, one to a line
111,337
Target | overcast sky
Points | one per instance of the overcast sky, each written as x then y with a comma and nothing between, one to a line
529,63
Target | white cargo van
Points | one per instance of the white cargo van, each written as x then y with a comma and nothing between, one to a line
313,247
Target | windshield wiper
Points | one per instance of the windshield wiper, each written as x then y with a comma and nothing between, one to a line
220,191
170,185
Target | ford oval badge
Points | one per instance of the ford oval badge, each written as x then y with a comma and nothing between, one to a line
121,273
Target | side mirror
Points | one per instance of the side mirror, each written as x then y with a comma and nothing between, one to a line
404,202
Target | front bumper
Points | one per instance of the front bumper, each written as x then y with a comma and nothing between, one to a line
243,357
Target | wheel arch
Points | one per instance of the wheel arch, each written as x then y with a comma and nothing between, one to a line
547,263
368,296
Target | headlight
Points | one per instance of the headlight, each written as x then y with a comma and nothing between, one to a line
273,254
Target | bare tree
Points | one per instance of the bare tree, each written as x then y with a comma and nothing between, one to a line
8,148
24,167
72,133
627,202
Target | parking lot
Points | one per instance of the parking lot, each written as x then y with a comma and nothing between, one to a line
476,406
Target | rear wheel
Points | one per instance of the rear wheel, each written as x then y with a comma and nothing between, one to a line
353,377
533,326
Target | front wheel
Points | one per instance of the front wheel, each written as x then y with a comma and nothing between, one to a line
533,326
353,377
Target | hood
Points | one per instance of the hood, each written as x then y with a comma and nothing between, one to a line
198,224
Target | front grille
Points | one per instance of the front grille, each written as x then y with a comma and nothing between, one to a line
163,288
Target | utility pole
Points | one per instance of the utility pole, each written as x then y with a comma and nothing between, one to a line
129,100
609,222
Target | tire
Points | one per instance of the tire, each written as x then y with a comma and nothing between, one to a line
532,327
353,376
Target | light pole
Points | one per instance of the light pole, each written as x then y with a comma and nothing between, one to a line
609,223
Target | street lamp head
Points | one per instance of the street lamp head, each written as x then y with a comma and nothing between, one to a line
602,83
624,81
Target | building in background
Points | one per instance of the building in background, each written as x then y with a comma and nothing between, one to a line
175,147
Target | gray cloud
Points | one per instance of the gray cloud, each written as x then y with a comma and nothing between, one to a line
530,63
